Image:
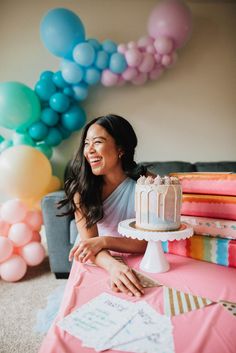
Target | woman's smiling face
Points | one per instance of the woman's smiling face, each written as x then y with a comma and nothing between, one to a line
101,151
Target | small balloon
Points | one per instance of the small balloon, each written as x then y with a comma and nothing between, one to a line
74,118
38,131
13,269
84,54
59,102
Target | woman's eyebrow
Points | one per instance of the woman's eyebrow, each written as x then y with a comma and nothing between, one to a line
96,137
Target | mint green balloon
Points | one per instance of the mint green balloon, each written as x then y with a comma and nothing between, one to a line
19,106
1,138
45,149
22,139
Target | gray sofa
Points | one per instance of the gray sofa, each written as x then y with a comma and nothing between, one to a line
61,231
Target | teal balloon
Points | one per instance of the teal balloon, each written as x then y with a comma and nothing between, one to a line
19,106
109,46
60,30
5,144
59,80
74,118
84,54
46,75
54,137
117,63
1,139
95,43
68,91
59,102
102,60
45,89
80,91
49,117
92,76
65,133
38,131
45,149
22,139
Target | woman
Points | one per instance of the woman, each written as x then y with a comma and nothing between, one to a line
100,192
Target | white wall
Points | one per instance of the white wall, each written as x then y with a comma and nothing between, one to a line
189,114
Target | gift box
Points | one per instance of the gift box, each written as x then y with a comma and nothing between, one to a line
213,227
215,206
208,183
211,249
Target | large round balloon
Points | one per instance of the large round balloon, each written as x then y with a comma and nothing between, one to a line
171,19
24,172
19,106
60,30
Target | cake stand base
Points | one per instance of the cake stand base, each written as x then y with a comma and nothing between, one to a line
154,260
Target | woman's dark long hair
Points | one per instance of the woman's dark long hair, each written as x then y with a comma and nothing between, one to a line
89,186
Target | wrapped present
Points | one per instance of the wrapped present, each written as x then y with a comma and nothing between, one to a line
215,206
208,183
211,249
213,227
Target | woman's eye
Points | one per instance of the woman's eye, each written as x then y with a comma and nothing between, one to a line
97,142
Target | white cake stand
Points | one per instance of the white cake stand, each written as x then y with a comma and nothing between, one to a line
154,260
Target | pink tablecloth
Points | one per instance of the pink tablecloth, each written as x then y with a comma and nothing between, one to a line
207,330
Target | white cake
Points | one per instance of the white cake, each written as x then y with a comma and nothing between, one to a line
158,203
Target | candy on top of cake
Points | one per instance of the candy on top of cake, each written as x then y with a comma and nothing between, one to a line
158,180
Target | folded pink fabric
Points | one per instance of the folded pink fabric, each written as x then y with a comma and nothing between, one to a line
208,183
213,227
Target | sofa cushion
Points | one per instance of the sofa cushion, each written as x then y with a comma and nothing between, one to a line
164,168
216,166
73,231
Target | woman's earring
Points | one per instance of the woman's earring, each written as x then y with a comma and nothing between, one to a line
120,155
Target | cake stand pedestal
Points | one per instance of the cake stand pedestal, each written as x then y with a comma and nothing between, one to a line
154,259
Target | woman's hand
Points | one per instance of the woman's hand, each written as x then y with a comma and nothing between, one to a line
87,249
124,280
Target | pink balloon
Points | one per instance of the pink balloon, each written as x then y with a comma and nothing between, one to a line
130,73
150,49
173,19
36,236
140,79
13,269
163,45
156,73
13,211
157,58
34,219
143,42
132,45
20,234
133,57
4,228
109,78
166,60
147,63
33,253
6,248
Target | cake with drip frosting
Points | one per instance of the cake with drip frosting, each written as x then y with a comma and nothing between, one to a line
158,203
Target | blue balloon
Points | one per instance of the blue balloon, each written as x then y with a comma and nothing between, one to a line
49,117
95,43
109,46
84,54
59,80
46,75
45,89
117,63
60,30
54,137
45,149
65,133
38,131
80,91
59,102
102,60
68,91
92,76
71,72
74,118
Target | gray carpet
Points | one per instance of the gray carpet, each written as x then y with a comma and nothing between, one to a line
19,303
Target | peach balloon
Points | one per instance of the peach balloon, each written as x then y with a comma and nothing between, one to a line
6,248
13,269
34,219
13,211
4,228
33,253
54,184
20,234
25,172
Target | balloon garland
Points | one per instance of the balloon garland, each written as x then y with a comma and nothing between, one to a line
43,117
